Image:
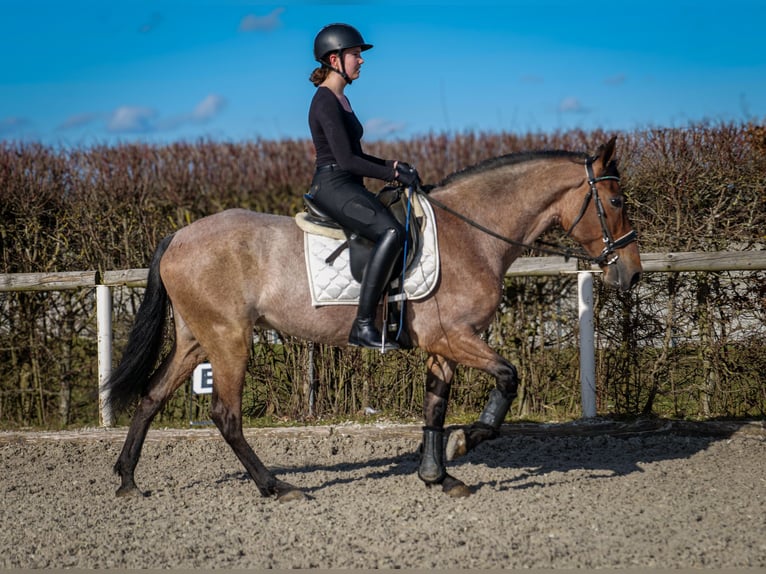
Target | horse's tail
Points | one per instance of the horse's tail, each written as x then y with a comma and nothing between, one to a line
131,377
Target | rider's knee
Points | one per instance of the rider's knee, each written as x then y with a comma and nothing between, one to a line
395,234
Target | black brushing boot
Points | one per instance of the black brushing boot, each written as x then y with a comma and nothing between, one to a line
432,470
364,333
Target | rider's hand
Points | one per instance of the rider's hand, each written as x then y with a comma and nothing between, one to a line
406,174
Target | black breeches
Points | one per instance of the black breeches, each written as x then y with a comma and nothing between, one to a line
343,197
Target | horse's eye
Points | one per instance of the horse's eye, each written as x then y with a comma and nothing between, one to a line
616,202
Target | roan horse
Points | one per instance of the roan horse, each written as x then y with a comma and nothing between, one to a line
230,272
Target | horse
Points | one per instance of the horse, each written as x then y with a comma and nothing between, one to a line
231,272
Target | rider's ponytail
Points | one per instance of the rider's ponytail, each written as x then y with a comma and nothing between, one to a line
319,75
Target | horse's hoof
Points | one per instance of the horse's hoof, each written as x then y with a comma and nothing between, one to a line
286,492
291,495
455,488
457,445
129,492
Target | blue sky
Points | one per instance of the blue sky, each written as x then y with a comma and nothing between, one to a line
85,72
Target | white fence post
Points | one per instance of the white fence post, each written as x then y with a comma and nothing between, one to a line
587,343
104,338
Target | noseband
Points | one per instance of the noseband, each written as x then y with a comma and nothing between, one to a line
607,255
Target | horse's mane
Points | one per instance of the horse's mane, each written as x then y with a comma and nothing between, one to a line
511,159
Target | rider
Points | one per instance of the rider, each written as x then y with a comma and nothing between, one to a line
341,166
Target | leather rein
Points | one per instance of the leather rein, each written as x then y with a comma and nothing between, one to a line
608,255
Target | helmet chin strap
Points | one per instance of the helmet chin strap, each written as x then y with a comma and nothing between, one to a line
342,70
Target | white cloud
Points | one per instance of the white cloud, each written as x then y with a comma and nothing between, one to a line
379,127
132,119
532,79
12,124
142,119
616,80
205,111
571,105
208,108
252,23
78,121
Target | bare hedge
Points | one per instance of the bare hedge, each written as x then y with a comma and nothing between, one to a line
689,344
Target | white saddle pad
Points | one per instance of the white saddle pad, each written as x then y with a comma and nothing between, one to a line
333,284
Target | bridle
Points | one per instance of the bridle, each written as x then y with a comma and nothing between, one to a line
607,255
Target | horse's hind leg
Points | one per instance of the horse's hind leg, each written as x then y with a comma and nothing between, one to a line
226,412
170,375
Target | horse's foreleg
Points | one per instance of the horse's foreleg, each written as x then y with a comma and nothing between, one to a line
432,469
226,412
438,383
460,441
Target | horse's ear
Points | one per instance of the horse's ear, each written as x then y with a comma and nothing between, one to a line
606,151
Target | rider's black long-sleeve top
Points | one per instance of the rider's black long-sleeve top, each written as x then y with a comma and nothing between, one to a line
337,136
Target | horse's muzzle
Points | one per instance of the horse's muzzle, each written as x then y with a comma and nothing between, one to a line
622,275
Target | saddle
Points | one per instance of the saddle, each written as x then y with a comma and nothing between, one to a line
337,282
394,198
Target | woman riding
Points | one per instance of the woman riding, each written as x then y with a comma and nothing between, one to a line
341,166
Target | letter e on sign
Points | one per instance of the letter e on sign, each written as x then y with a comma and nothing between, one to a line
202,379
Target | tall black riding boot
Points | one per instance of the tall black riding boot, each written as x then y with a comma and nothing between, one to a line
364,333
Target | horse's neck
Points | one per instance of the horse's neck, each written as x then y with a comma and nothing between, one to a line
519,205
513,202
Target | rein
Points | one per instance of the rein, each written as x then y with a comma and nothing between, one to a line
610,245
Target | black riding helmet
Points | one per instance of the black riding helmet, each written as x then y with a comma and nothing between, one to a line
336,38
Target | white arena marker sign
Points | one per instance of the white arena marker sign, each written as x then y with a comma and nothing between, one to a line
202,379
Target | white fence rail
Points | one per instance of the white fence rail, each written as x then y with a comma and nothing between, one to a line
526,266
